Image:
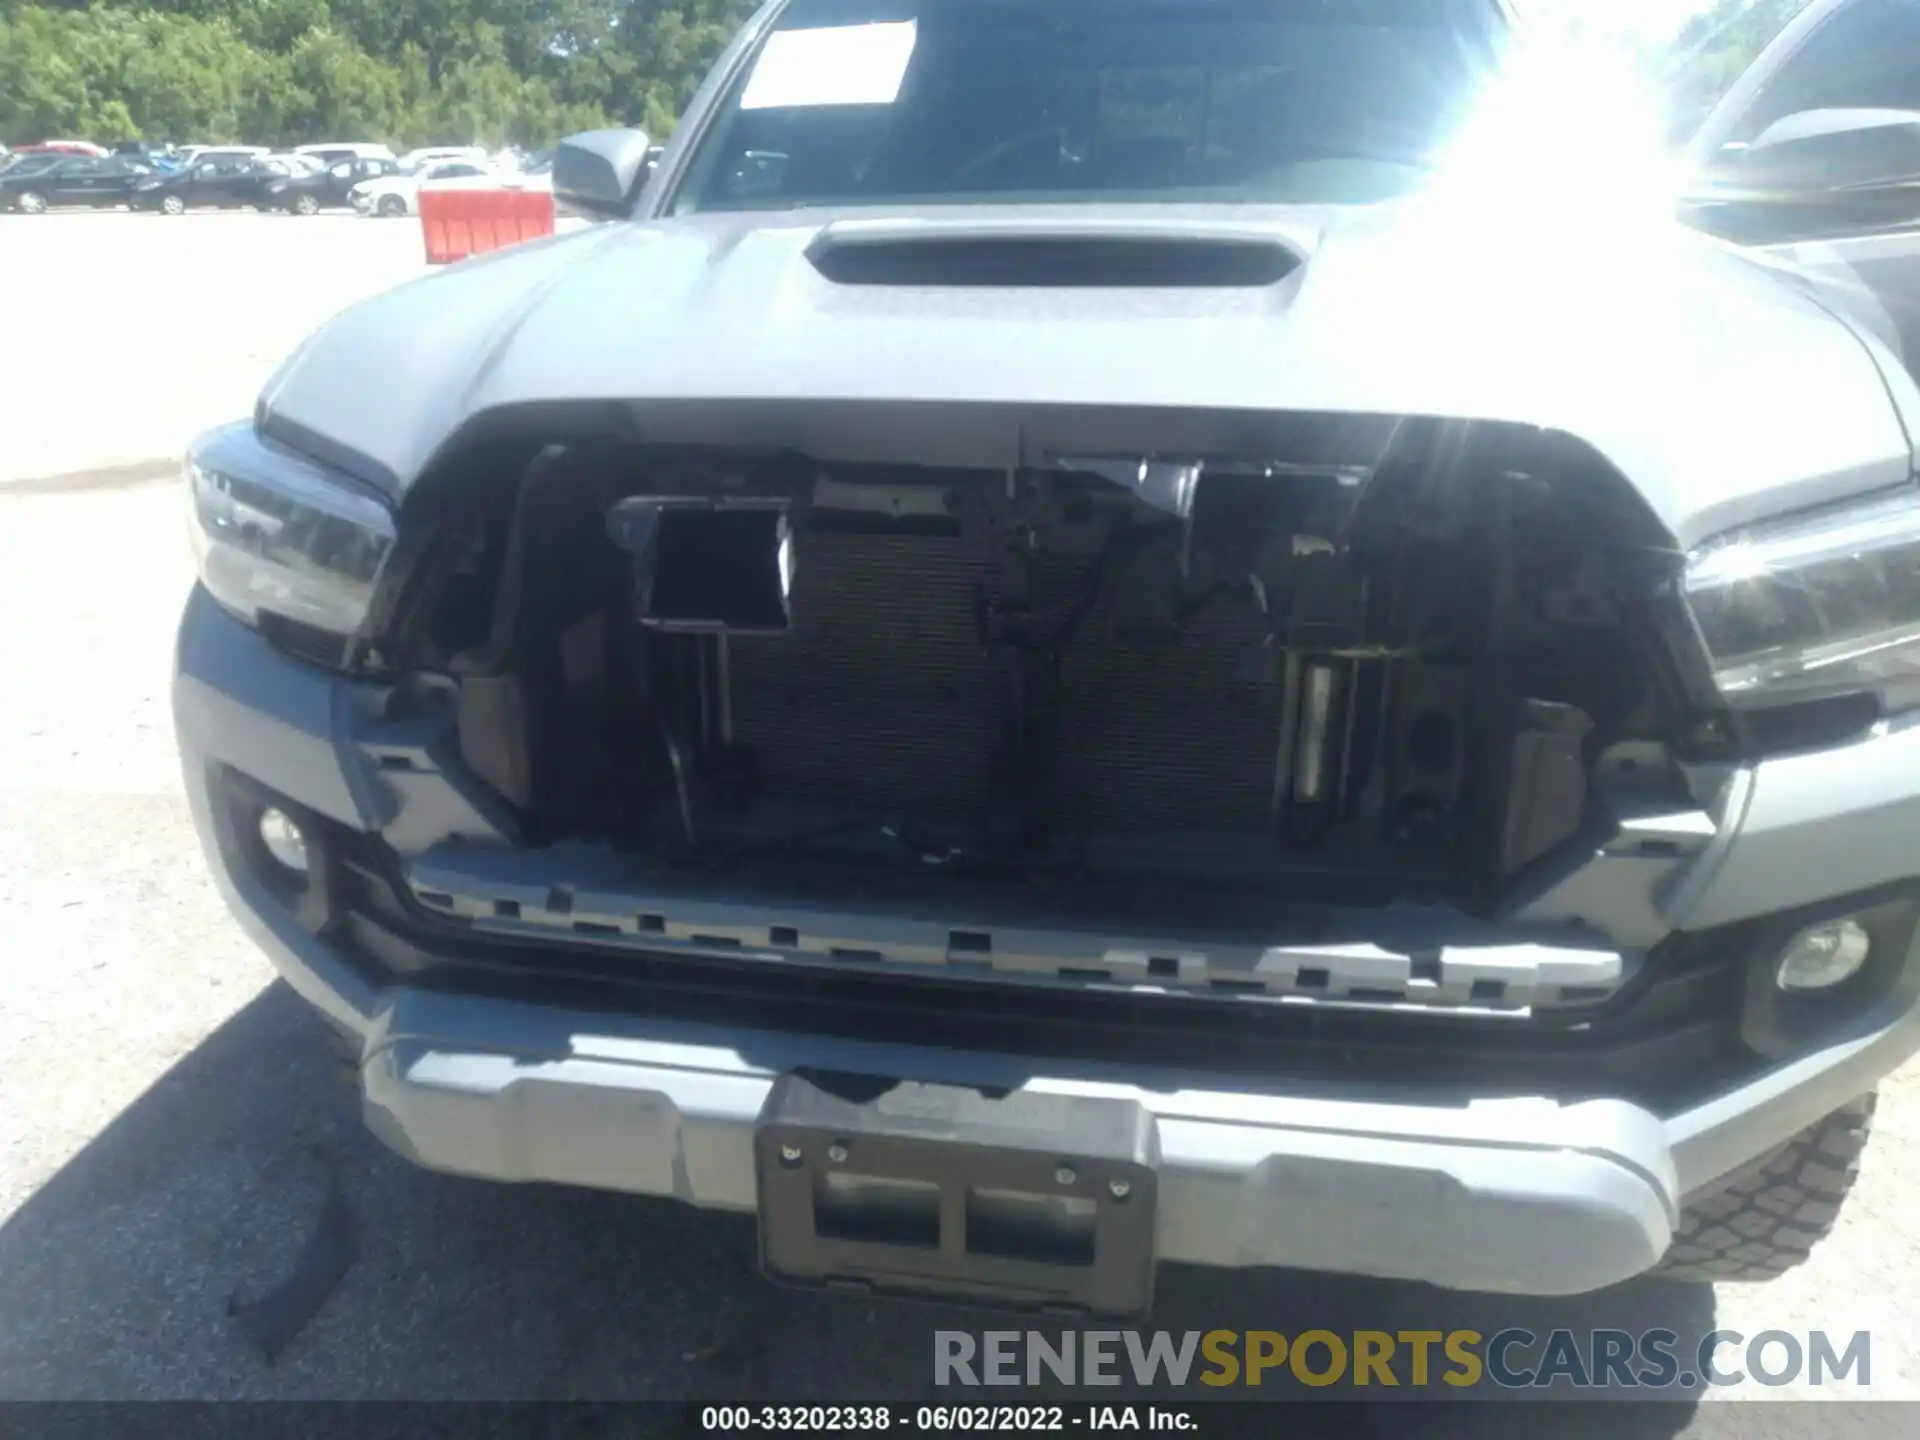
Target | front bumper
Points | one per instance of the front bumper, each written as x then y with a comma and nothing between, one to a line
1528,1193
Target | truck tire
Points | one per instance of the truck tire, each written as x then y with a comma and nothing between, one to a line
1770,1216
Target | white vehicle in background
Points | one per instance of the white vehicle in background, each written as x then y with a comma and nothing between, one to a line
392,196
495,178
332,152
216,154
415,161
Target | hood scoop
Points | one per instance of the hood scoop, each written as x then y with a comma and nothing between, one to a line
1049,257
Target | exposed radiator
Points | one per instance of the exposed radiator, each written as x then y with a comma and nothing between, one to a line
881,696
1176,735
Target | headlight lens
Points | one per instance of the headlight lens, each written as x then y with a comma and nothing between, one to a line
1819,604
275,534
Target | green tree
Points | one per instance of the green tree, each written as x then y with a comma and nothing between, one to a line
336,88
406,71
1713,49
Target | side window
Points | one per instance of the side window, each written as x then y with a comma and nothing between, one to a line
1866,56
341,172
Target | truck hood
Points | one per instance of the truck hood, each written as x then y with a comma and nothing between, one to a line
1721,390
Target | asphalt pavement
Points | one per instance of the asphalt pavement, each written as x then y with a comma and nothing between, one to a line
171,1119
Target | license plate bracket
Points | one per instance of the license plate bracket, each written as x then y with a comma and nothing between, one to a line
1026,1200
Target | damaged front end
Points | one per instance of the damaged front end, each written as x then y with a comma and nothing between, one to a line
1381,714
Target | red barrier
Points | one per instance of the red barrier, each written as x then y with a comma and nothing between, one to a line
459,223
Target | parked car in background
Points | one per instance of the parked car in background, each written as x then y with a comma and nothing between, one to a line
398,194
324,189
215,184
18,164
72,181
332,152
417,160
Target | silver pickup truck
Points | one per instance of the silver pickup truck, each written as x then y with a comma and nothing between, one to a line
1048,657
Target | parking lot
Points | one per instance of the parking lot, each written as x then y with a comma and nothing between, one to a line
171,1117
124,332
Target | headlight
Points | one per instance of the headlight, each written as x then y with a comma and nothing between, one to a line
1819,604
275,534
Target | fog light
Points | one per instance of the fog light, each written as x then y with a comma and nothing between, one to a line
287,845
1822,956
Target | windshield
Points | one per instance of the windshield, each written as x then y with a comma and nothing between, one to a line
864,101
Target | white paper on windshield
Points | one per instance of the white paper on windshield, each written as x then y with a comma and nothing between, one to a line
836,65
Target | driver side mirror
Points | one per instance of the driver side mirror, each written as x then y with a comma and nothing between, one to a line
602,172
1818,152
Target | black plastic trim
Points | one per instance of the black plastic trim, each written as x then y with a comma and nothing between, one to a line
1055,261
328,452
1671,1040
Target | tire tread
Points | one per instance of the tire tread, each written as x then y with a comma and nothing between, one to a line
1769,1217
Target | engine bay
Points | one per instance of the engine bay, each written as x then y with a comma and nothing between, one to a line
1188,677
